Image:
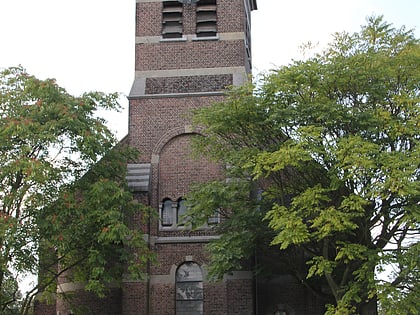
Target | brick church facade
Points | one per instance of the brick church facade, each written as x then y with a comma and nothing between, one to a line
186,54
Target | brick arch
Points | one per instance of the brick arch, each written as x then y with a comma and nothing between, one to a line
177,169
169,135
179,253
198,257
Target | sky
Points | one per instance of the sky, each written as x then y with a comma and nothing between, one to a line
88,45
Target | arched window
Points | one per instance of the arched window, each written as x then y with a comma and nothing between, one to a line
167,213
181,210
189,289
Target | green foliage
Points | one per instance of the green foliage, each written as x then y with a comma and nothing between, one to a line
282,220
232,203
333,142
64,203
10,290
398,295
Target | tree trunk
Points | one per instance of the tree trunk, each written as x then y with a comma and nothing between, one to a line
370,307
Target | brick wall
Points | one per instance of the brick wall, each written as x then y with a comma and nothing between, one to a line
82,302
134,298
169,255
151,121
240,297
149,19
190,55
215,302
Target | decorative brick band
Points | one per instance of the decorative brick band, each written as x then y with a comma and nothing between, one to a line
188,84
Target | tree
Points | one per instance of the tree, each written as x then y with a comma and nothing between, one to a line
63,197
332,142
10,289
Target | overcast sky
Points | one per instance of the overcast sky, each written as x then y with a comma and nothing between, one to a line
89,44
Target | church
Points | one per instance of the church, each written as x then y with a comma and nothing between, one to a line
187,53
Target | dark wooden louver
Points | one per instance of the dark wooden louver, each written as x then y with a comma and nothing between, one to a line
172,19
206,18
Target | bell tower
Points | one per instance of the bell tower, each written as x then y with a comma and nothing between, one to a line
187,53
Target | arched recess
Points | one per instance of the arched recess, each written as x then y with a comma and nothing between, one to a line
178,170
189,289
170,134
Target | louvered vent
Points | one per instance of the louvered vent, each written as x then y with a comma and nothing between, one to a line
138,177
172,19
206,18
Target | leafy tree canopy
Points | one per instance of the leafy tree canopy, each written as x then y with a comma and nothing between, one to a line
323,158
63,196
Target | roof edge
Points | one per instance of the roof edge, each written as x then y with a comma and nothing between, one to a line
253,4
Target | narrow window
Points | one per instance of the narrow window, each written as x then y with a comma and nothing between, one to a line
189,289
167,213
206,18
172,19
181,211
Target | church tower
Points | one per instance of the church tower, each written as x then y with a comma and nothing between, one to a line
187,53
